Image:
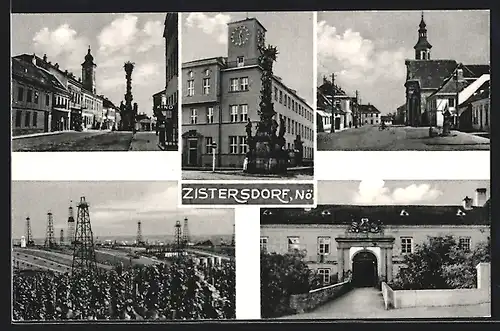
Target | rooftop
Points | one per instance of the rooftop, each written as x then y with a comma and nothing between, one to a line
387,214
368,109
429,73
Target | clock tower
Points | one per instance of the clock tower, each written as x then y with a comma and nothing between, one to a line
244,38
88,72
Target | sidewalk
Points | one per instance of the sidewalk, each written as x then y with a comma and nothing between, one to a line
39,134
144,141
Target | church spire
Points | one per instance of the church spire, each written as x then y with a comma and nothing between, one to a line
422,47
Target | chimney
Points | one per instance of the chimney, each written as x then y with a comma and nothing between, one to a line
467,203
56,65
480,197
44,57
33,60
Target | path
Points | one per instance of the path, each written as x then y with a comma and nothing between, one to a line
368,303
398,138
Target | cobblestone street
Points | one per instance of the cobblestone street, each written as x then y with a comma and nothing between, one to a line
398,138
88,141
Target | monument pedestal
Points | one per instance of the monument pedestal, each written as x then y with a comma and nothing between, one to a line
266,155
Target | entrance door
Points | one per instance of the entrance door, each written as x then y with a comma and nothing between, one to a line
46,122
337,123
364,270
193,152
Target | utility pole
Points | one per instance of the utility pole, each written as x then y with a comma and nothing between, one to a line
332,130
84,259
358,114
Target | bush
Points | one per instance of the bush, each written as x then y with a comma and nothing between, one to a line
152,292
281,277
439,263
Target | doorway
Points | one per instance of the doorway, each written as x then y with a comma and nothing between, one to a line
364,269
192,152
337,123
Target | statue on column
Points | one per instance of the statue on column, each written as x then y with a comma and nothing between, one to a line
248,128
282,131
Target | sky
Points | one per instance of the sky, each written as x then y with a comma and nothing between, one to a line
398,192
115,208
367,50
204,35
113,38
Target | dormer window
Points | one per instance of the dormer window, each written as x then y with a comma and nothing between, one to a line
240,61
403,213
460,212
325,213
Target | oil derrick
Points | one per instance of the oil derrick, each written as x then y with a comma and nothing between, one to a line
185,233
178,237
50,241
61,237
139,241
29,236
233,241
71,225
83,245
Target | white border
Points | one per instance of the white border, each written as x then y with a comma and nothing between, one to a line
404,165
96,166
179,97
314,85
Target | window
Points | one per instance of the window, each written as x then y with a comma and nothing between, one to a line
35,118
244,113
275,93
19,115
263,244
208,143
244,84
288,126
206,86
324,245
243,145
285,100
281,96
190,74
406,245
27,119
324,273
194,116
210,114
289,102
234,113
451,102
36,97
464,243
207,72
293,244
20,93
234,85
233,144
240,61
293,105
293,127
486,111
29,95
190,88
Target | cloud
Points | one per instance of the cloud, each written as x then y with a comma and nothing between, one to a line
152,34
355,58
212,25
119,35
63,43
375,192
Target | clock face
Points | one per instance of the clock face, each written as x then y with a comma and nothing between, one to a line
240,35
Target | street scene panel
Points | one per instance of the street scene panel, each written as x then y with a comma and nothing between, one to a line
118,251
94,82
403,80
380,249
247,96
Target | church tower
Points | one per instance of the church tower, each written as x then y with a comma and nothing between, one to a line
244,38
88,73
422,47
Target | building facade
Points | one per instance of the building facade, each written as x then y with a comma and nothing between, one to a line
221,94
369,115
166,102
372,241
75,104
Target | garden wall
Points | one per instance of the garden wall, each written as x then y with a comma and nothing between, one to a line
301,303
441,298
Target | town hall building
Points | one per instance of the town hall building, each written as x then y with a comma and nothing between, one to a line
221,94
370,242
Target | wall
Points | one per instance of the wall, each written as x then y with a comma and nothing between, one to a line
441,298
24,107
301,303
481,115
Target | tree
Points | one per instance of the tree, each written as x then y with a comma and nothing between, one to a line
440,263
281,277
